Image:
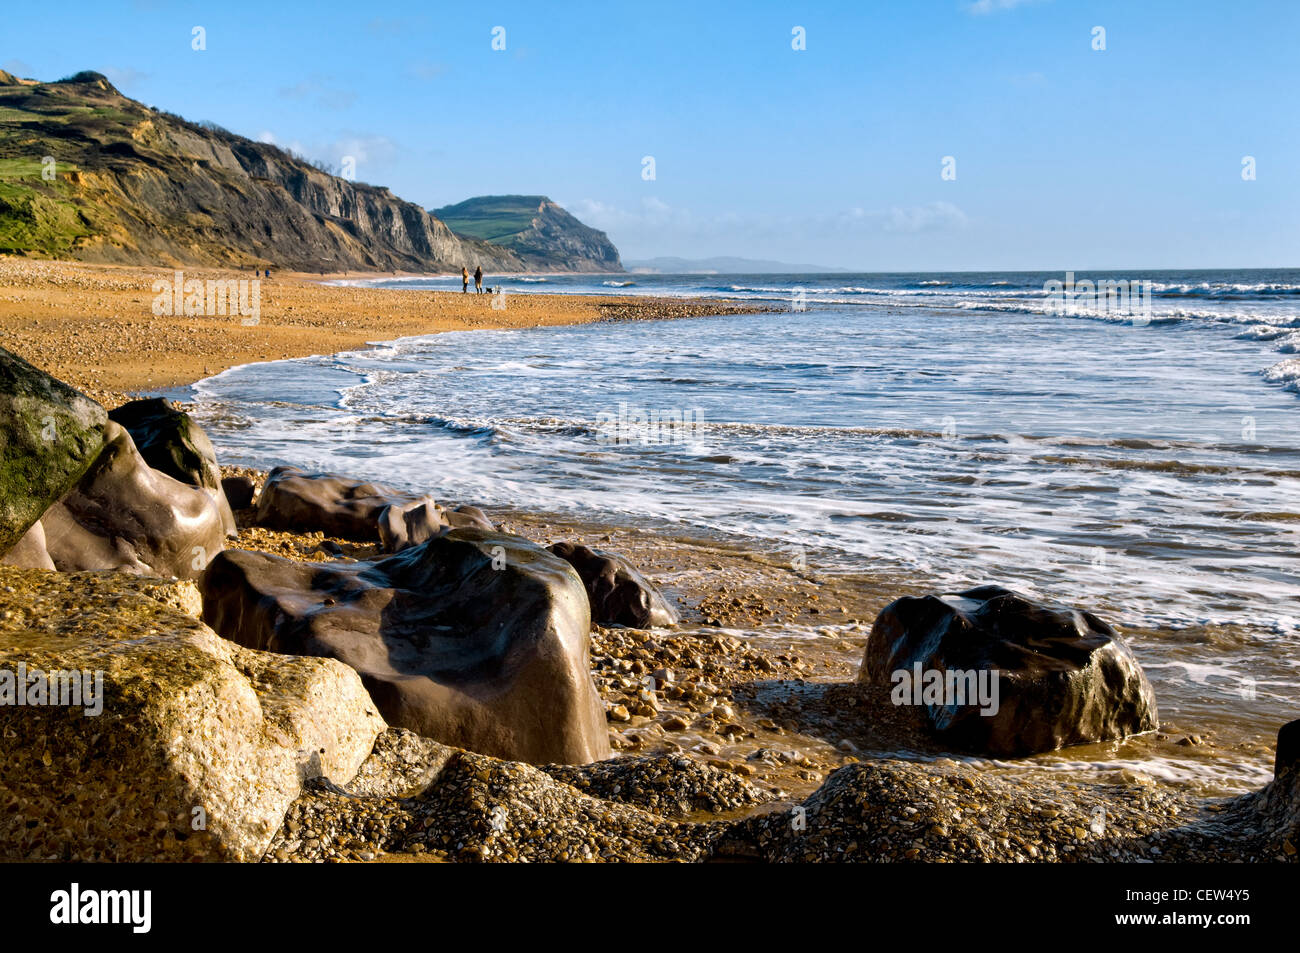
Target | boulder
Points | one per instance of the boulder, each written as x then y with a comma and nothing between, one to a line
169,440
1049,675
30,552
336,506
176,744
475,639
240,491
402,525
49,436
127,516
619,594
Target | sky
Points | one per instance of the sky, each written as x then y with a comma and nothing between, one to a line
1063,156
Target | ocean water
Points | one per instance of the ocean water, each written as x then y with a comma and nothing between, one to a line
941,427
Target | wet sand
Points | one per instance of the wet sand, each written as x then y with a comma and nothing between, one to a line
93,326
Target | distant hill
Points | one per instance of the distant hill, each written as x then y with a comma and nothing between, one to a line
130,184
722,266
543,235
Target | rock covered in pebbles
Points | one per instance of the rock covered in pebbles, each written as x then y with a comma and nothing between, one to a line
669,785
1011,676
478,809
182,746
475,639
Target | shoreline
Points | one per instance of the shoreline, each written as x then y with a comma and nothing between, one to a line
93,325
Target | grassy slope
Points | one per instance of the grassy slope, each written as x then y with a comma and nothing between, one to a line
493,218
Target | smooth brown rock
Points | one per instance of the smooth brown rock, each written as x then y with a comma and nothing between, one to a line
322,502
471,638
171,440
619,594
125,515
29,552
1063,676
240,491
403,525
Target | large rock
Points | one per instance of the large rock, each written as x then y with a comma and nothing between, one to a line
403,525
619,594
30,551
127,516
49,436
192,748
472,638
322,502
171,441
1055,675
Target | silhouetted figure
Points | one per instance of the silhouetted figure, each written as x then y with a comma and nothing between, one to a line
478,280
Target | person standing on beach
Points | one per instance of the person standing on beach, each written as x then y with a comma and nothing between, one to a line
478,279
464,279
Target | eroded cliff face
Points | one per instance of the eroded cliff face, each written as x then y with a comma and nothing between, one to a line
132,185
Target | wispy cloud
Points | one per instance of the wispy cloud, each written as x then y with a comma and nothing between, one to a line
321,92
985,7
124,77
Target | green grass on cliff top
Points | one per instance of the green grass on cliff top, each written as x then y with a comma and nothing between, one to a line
492,218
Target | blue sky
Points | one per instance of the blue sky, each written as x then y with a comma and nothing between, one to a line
1066,157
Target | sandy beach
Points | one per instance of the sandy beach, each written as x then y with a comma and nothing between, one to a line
94,327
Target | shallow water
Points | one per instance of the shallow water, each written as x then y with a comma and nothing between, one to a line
952,434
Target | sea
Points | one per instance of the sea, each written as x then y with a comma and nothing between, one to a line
1139,457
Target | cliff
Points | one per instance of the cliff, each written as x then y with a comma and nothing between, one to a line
542,234
129,184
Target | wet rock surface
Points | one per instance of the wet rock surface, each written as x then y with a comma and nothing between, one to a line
619,594
1063,676
292,499
50,434
475,639
125,515
172,442
403,525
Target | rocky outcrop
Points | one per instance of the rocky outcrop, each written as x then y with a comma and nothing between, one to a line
542,234
125,515
141,186
619,595
475,639
49,436
171,441
175,745
1000,674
